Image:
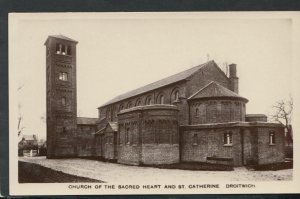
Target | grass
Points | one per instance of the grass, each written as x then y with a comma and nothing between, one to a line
33,173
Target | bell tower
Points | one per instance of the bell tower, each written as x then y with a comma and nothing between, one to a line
61,96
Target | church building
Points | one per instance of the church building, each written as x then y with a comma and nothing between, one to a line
196,115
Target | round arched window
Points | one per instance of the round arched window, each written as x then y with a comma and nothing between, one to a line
161,99
148,101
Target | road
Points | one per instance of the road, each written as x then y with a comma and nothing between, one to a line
117,173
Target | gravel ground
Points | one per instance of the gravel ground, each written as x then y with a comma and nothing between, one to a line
117,173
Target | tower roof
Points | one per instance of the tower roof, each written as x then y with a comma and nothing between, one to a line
60,36
160,83
215,90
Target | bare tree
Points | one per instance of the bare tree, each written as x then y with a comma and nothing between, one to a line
283,111
20,118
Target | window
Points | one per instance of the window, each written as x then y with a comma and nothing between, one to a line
121,107
197,112
58,48
68,50
63,49
272,138
228,139
138,102
63,76
63,101
127,136
195,139
161,99
176,94
129,105
148,101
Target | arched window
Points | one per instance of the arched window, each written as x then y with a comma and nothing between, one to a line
175,95
138,102
272,138
148,100
161,99
129,105
228,138
197,112
63,101
58,48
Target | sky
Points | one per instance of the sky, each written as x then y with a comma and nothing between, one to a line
118,52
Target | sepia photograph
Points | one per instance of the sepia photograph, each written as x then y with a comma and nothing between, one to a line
153,103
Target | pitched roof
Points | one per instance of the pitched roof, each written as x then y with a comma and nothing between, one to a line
113,125
214,89
60,36
86,120
160,83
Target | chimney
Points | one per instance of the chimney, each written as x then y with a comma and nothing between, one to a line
234,80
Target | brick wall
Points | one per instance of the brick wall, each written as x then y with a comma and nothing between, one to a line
148,135
216,111
270,153
209,143
85,142
250,146
61,119
160,154
204,76
129,154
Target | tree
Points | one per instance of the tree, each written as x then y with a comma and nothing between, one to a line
20,121
20,118
283,111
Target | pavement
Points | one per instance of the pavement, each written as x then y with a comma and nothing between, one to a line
118,173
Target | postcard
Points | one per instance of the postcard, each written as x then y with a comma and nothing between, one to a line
154,103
